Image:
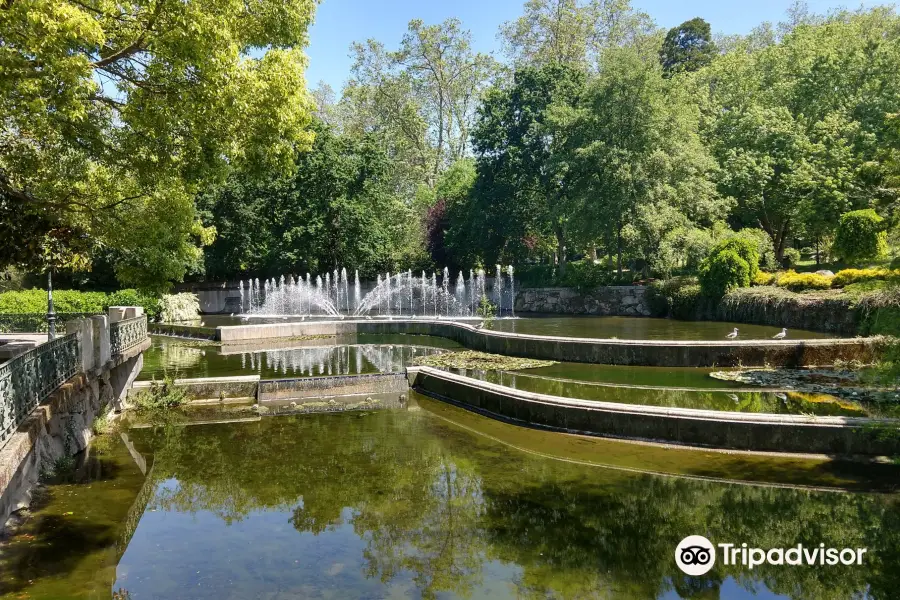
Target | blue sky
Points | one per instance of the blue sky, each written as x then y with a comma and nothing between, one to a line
341,22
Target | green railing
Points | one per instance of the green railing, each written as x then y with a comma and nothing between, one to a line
27,379
124,335
36,322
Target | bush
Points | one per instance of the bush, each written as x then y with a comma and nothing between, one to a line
851,276
860,236
745,248
724,271
790,258
160,396
135,298
73,301
763,278
797,282
179,307
678,297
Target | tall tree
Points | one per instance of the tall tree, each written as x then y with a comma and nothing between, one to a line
687,47
570,32
635,156
434,78
523,190
115,113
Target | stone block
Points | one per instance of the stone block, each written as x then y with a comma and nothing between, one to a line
100,325
117,313
85,330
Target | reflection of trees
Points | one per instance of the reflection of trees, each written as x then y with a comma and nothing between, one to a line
434,500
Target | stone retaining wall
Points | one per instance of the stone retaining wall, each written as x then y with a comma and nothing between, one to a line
716,429
657,353
622,301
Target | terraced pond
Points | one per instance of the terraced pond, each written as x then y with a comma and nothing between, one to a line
642,328
436,502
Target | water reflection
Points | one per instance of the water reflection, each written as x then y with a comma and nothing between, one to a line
309,357
403,504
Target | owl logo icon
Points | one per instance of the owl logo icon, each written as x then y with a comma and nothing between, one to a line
695,555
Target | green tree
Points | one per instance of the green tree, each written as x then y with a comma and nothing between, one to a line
116,113
426,90
638,165
860,236
524,189
336,210
570,32
688,47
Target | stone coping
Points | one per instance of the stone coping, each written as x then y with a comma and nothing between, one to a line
663,353
688,426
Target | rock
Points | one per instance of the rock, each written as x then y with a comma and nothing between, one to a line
825,272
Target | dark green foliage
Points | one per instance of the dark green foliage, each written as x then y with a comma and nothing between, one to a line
687,47
336,211
743,247
583,275
722,272
790,258
521,190
678,297
860,236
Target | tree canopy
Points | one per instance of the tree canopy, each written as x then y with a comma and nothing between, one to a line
116,114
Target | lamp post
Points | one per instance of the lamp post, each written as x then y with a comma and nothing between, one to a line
51,315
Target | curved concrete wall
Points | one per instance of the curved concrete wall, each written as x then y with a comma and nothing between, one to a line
717,429
657,353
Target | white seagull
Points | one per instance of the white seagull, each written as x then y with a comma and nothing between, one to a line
782,335
733,334
734,398
480,325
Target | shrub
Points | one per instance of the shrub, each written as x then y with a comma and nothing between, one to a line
763,278
675,297
745,248
860,236
724,271
131,297
763,243
74,301
851,276
797,282
790,258
162,395
179,307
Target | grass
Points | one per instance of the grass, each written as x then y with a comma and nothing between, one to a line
480,361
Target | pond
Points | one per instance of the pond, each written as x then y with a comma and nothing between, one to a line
352,355
642,328
436,502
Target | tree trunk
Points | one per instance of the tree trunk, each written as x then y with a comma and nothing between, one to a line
817,251
619,250
593,253
561,250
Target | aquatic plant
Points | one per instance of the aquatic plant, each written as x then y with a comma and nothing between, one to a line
160,396
481,361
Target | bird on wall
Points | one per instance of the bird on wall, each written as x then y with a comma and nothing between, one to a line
780,336
480,325
733,334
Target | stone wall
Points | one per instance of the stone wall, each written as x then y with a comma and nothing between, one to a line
693,427
622,301
650,353
62,425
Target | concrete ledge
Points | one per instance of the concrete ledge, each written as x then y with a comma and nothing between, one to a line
656,353
716,429
274,390
211,388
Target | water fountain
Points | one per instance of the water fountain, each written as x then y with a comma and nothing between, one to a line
393,295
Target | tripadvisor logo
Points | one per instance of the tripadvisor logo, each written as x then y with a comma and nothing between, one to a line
696,555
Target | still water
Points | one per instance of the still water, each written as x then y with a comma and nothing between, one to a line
352,355
436,502
642,328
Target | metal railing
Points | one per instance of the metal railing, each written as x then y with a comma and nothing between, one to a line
124,335
35,322
27,379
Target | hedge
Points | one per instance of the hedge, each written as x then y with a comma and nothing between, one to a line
797,282
34,301
583,275
850,276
